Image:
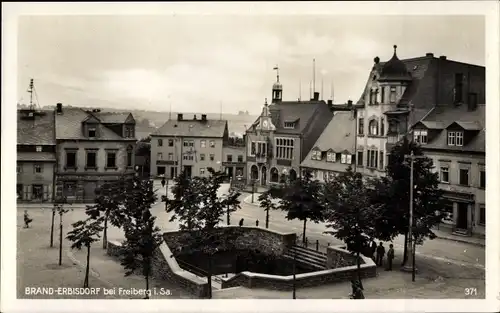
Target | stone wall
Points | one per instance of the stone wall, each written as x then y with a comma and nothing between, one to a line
337,257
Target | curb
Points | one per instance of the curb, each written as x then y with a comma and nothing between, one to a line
478,244
76,262
248,200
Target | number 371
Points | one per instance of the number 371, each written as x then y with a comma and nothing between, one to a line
470,291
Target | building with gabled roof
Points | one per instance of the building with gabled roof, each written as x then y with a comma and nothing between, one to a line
453,136
93,148
281,137
36,155
334,150
190,145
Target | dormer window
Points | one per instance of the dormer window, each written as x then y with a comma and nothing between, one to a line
129,132
420,136
289,125
316,155
92,132
330,157
392,95
38,148
345,158
456,138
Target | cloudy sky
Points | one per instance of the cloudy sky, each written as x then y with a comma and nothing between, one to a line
195,63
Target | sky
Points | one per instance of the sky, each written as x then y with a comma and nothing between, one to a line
202,63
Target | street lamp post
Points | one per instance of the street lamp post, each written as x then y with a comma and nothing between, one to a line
294,273
410,265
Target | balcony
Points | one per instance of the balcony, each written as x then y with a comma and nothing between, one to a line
261,158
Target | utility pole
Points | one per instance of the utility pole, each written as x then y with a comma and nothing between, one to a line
355,118
410,264
294,273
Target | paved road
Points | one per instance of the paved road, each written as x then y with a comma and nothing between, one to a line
440,249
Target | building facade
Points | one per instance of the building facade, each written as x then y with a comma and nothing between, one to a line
234,161
399,93
36,155
334,151
93,148
190,145
453,136
282,136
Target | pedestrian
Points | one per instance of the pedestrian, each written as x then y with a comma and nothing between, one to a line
241,222
163,182
390,257
27,219
257,223
357,290
380,254
373,248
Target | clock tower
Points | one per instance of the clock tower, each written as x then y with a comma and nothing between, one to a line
265,124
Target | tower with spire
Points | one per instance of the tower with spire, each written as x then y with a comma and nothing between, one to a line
277,96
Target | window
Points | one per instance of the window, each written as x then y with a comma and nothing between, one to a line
393,127
289,125
91,159
482,179
261,149
38,148
129,158
92,132
188,143
464,177
482,215
451,138
170,142
392,95
373,128
71,159
382,95
240,158
202,171
420,136
345,158
202,157
382,126
455,138
444,174
361,126
212,157
458,90
330,157
284,148
381,160
129,132
38,168
253,149
160,170
170,156
316,155
360,158
188,157
371,162
111,159
19,169
229,158
159,156
203,143
160,142
212,143
460,138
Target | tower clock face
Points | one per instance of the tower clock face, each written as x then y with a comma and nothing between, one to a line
264,123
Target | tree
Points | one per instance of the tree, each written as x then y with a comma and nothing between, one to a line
393,195
61,210
85,233
266,201
302,200
349,212
142,237
58,201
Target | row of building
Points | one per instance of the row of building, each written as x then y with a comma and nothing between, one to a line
439,103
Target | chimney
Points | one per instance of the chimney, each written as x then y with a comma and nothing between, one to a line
194,117
59,108
203,117
179,116
376,60
429,54
330,102
316,96
349,103
443,57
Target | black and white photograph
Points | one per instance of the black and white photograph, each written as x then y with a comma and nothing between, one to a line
251,151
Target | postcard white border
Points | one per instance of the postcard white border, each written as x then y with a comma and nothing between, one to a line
10,11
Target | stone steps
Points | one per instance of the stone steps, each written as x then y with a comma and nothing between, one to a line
312,259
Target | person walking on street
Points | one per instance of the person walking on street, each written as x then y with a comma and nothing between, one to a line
390,257
380,254
257,223
163,182
373,249
27,219
241,222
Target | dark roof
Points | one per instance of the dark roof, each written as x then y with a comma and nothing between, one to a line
301,112
69,125
38,131
36,156
192,128
395,69
112,117
338,137
445,116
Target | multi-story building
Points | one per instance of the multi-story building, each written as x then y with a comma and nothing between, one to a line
282,135
401,92
93,148
190,145
334,150
453,136
234,161
36,155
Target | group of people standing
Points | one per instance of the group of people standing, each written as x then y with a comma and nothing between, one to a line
378,254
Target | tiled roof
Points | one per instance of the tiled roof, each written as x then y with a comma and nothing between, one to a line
300,111
40,131
36,156
433,124
69,125
112,117
468,120
195,128
338,137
